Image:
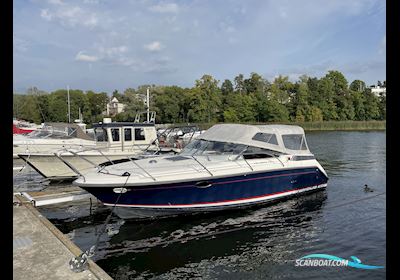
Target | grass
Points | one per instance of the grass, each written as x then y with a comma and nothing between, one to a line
325,125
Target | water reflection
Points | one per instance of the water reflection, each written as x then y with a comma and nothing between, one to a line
246,235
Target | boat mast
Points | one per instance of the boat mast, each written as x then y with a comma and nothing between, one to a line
148,104
69,107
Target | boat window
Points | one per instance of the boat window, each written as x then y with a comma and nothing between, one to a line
255,152
203,147
266,137
115,134
139,134
101,134
294,141
128,134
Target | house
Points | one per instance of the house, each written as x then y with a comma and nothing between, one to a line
378,90
114,107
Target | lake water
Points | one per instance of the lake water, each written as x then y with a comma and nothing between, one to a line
261,242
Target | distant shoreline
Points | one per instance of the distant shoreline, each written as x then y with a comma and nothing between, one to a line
314,126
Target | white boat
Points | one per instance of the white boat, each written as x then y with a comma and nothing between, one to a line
53,136
228,166
115,142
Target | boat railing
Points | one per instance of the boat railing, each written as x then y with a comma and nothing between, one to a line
205,168
167,138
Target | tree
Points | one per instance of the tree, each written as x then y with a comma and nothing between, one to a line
210,96
358,99
254,84
226,87
98,104
281,89
239,83
357,85
326,98
340,83
240,108
371,105
300,101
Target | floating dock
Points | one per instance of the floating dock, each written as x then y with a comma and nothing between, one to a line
59,195
41,251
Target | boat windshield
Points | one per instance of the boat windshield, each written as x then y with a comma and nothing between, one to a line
203,147
49,134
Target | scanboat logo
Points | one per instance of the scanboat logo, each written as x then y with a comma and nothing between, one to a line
329,260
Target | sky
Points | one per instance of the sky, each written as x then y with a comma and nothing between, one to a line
107,45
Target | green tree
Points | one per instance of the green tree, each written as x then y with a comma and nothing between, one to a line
371,106
98,104
357,85
210,96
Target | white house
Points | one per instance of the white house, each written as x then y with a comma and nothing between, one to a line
377,90
114,107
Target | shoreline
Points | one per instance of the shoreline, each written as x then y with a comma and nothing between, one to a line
308,126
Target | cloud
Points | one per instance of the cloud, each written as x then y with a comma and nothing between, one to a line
91,1
56,2
165,8
44,13
84,57
70,16
154,46
19,44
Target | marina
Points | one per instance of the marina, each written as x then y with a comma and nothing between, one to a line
250,242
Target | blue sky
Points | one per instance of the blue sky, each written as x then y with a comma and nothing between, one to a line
104,45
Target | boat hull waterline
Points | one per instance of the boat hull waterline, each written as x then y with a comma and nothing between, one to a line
213,194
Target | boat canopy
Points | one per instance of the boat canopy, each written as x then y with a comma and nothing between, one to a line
286,139
61,130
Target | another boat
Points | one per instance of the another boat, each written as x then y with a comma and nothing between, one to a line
115,142
50,138
24,127
228,166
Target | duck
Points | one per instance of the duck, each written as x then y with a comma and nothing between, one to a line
367,189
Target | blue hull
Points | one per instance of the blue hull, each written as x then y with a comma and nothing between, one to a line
213,194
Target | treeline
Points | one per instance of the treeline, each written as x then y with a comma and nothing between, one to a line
252,99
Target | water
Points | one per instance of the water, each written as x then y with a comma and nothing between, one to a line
256,243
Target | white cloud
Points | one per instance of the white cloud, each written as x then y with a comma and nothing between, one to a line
44,13
55,2
70,16
84,57
154,46
20,44
91,1
165,8
112,51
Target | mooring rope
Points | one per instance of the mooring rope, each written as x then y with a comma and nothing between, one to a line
79,263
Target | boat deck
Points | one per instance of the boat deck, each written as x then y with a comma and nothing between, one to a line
41,251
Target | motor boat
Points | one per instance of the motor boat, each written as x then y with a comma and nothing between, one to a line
114,142
21,127
50,138
228,166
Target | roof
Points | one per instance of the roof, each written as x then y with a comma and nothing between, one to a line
243,134
122,124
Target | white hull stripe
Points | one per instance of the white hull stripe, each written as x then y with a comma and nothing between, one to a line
223,203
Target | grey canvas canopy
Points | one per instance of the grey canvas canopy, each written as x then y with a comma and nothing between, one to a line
287,139
70,129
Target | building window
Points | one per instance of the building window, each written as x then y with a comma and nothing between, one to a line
139,134
115,134
128,134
